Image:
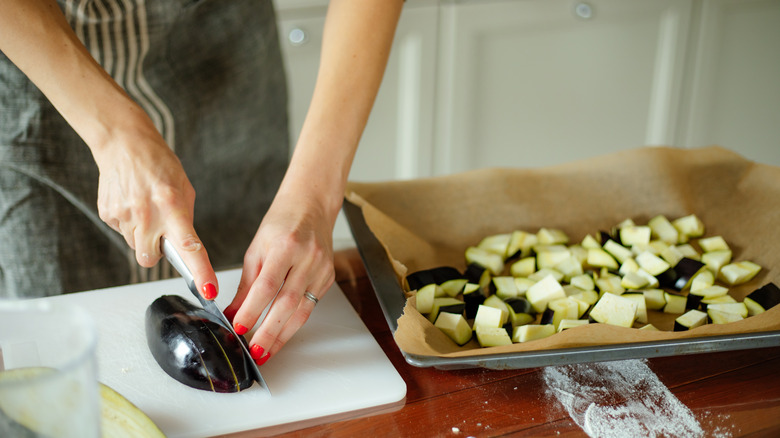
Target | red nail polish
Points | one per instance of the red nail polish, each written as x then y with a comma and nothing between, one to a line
209,291
240,329
263,360
256,352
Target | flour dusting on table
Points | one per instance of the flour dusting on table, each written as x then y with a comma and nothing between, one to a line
620,399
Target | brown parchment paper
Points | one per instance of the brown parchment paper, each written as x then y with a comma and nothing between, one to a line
426,223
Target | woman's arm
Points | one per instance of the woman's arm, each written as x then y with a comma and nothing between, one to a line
292,252
143,192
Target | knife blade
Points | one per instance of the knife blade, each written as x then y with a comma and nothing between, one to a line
176,261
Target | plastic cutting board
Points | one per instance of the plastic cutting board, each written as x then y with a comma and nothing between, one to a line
332,368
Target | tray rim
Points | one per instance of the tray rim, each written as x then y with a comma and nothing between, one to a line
392,301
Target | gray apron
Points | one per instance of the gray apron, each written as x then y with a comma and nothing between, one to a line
210,75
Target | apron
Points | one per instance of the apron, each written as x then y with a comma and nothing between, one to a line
210,75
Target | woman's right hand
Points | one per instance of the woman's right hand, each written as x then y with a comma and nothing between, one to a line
143,192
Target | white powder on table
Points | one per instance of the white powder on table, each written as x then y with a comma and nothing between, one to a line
620,399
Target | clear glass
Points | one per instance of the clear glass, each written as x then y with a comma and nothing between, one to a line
48,370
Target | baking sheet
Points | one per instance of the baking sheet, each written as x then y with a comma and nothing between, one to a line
421,224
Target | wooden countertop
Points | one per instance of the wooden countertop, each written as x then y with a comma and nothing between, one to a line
729,394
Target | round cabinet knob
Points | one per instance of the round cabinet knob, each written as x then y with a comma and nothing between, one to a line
297,36
583,10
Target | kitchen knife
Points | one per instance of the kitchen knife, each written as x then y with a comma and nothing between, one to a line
176,261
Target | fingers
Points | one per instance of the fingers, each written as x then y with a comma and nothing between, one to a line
289,308
195,257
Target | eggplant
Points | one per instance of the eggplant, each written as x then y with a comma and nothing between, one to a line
690,320
455,326
194,347
437,275
763,298
683,273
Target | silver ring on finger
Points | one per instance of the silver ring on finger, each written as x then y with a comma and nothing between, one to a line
310,296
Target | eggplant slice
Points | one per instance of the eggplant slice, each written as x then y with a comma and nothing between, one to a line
194,347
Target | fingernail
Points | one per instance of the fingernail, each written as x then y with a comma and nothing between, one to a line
230,314
262,360
240,329
209,291
256,352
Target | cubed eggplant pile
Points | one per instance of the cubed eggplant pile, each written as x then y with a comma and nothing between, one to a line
523,285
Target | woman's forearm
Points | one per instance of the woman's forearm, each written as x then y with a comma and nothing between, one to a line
357,39
35,36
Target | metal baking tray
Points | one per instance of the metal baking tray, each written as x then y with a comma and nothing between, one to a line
392,301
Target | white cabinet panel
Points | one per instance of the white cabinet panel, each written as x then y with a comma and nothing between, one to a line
735,79
538,82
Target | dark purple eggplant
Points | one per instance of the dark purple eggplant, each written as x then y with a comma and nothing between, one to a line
765,297
437,275
194,347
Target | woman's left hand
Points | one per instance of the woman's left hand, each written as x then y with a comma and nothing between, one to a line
291,254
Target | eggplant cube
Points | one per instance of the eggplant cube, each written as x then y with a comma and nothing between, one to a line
598,257
690,226
523,267
654,299
496,243
690,320
664,230
552,236
446,304
544,291
641,305
763,298
489,260
738,273
425,297
571,323
492,336
714,243
635,234
738,308
505,287
618,251
547,256
455,327
721,317
530,332
652,263
716,259
490,317
675,303
520,244
614,310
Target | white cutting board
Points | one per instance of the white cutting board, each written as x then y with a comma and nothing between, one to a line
332,366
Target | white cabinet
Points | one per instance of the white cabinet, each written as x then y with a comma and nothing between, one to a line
734,85
527,83
532,83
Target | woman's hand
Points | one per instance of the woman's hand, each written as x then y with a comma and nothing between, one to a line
291,254
144,194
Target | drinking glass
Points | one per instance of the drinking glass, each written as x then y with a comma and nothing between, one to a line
48,370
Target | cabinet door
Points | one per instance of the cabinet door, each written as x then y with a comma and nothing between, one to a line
529,83
397,142
735,80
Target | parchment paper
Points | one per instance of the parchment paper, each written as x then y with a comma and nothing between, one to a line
430,222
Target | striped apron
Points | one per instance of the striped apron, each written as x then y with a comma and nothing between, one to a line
209,73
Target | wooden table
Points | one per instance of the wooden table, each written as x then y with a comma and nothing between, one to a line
731,394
